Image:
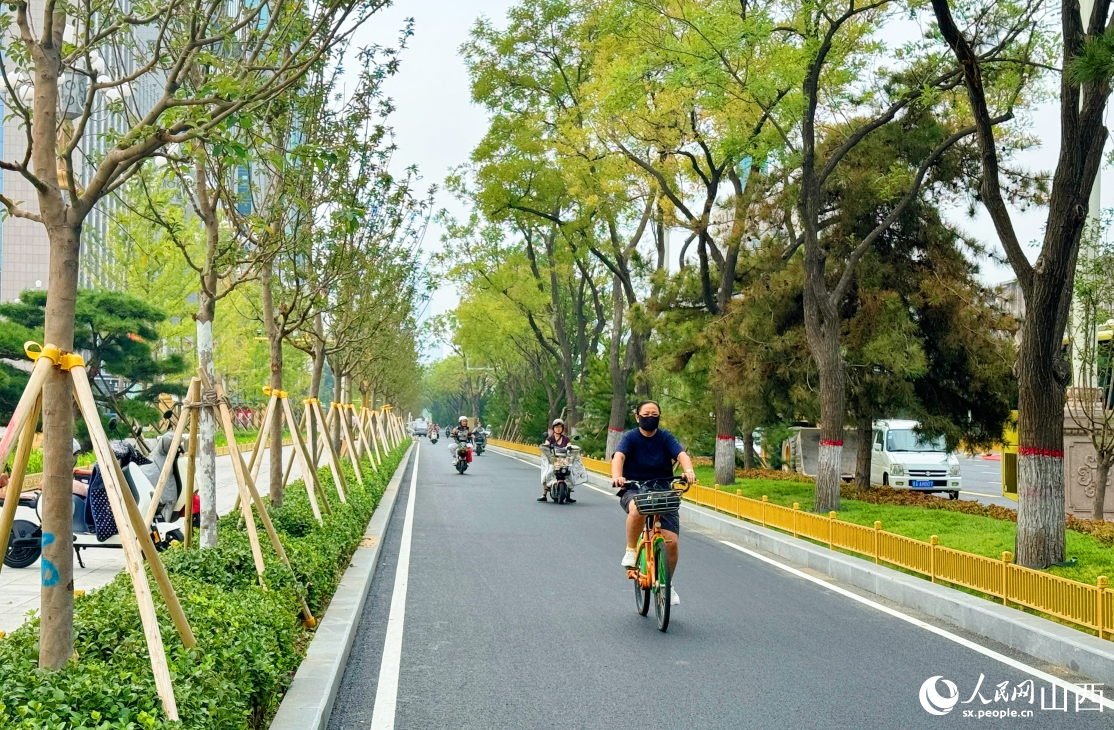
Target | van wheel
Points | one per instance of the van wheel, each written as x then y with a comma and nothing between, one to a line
953,495
885,479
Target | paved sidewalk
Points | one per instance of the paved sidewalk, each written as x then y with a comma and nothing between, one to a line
19,589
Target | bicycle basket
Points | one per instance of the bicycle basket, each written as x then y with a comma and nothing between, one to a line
657,502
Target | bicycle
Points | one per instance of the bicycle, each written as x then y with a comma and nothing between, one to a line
652,575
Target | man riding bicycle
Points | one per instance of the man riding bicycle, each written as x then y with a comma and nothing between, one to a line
643,454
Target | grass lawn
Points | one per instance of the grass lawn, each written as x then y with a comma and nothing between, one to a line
243,437
971,533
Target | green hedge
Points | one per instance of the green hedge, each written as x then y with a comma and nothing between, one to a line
250,641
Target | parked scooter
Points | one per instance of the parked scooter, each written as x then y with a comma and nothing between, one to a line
93,523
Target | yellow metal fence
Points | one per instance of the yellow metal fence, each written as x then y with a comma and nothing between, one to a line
1090,606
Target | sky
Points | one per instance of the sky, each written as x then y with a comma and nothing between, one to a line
436,125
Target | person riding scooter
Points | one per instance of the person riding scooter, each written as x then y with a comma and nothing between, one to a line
556,438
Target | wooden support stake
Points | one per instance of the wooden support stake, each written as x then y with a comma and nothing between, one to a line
252,496
257,452
192,395
350,444
331,455
19,471
118,495
309,473
191,473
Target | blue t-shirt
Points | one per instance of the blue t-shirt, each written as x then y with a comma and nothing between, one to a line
649,457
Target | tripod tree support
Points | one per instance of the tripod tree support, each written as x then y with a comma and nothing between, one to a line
135,537
349,444
327,447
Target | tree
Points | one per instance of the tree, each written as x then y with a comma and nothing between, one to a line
1047,284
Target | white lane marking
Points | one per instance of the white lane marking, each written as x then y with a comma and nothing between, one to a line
386,694
1089,696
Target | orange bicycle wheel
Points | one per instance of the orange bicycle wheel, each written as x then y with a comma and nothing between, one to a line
641,595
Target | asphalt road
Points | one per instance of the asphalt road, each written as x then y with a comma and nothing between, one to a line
518,615
982,481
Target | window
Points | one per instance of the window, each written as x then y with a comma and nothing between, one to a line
906,440
243,190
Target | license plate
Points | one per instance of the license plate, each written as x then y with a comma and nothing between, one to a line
921,483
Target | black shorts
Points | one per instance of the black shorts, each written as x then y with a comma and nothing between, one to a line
669,521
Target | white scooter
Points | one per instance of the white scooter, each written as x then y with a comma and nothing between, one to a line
25,544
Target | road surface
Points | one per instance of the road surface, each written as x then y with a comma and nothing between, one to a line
507,613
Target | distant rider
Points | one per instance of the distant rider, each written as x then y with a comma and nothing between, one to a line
647,453
558,439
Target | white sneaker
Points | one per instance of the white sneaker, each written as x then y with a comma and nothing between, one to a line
630,558
674,599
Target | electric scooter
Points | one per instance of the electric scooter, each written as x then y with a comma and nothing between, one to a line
94,527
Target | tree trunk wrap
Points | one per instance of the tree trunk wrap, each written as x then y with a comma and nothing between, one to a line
207,428
725,439
1040,454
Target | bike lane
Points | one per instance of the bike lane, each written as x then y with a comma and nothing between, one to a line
517,615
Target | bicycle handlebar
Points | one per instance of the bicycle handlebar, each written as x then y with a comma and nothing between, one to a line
671,481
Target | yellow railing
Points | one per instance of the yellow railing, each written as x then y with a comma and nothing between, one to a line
1090,606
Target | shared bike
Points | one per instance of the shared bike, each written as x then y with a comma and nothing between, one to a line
652,578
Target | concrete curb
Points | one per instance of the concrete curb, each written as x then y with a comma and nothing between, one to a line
309,701
1033,635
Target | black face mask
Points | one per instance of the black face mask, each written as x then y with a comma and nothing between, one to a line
648,423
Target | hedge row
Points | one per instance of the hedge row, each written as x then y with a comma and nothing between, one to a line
250,640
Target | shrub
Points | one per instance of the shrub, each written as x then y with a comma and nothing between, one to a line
250,640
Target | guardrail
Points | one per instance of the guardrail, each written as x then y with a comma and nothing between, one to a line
1082,604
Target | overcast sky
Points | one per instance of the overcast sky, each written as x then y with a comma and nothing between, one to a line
436,126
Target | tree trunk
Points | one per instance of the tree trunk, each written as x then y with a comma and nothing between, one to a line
1102,476
832,394
56,630
274,340
866,451
619,374
725,439
206,314
1040,430
748,448
206,426
316,375
56,595
338,398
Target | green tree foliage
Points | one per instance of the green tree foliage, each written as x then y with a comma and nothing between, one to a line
120,338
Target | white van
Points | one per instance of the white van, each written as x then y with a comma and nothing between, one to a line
903,460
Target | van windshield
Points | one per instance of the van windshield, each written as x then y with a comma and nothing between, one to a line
907,440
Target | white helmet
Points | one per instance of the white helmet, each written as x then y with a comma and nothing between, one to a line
462,419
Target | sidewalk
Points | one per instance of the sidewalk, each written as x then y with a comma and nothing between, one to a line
19,589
